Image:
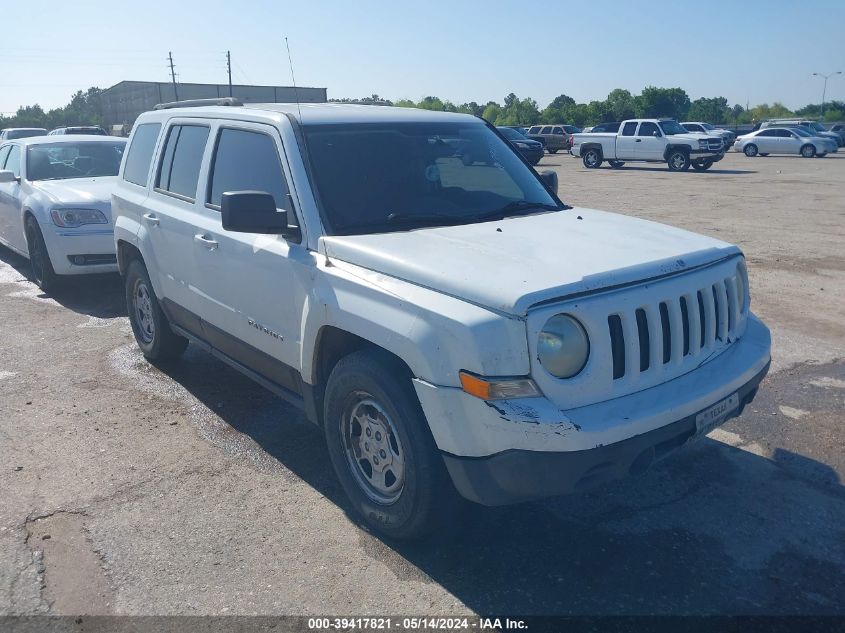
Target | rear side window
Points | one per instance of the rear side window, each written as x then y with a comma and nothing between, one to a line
546,130
534,130
140,154
557,130
768,133
246,161
182,159
629,129
647,128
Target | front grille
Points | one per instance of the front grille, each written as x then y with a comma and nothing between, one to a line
689,325
714,144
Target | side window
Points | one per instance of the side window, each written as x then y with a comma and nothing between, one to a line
182,159
767,133
534,130
694,128
784,133
557,130
140,154
4,152
546,130
246,161
629,129
647,128
13,161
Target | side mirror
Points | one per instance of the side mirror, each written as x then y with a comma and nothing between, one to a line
549,178
7,176
656,134
252,212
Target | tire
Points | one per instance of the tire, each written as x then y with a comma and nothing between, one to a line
821,155
678,160
762,154
369,395
616,164
702,165
808,151
149,325
592,158
39,257
750,150
552,151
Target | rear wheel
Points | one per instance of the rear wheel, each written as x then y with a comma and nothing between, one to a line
678,160
591,158
808,151
750,150
382,450
702,165
552,151
39,258
616,164
149,325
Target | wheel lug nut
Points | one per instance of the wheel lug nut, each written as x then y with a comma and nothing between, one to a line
378,436
375,460
383,454
369,432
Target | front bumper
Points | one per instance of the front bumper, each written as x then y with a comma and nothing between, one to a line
94,241
533,156
556,448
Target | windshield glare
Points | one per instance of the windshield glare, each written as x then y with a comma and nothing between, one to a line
670,128
383,177
60,161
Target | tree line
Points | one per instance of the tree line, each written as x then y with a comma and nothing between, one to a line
85,108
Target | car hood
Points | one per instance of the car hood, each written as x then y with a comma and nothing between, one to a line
512,264
92,191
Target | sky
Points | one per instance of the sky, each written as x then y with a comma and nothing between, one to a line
748,51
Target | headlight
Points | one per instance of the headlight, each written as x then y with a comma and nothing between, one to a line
521,145
742,285
702,143
71,218
563,346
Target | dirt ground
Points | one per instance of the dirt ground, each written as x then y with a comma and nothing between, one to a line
131,490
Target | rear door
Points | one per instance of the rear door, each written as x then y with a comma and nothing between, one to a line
559,137
252,286
626,141
766,141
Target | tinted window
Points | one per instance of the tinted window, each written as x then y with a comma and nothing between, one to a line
534,130
557,130
546,130
13,161
25,133
247,161
511,134
768,133
693,128
629,129
140,154
180,166
784,133
647,128
4,151
59,161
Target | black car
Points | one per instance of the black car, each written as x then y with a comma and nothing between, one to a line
531,150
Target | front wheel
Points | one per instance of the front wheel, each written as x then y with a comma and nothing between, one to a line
39,258
678,160
750,150
808,151
382,450
616,164
702,165
591,159
149,325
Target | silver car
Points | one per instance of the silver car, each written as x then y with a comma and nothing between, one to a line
813,127
783,140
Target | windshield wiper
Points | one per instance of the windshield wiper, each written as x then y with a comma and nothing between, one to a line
423,218
518,207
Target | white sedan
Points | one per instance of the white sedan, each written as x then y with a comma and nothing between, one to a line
783,140
55,203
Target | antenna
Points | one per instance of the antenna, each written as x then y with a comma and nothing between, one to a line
295,89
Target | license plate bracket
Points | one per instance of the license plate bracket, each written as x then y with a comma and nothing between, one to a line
715,415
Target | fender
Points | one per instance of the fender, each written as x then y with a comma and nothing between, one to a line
592,145
674,146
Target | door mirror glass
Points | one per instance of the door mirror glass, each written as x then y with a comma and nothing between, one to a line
7,176
549,178
252,212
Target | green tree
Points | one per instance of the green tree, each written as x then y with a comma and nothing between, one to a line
471,108
492,112
518,111
656,102
713,110
621,105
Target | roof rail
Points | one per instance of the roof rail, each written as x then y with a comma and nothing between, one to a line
196,103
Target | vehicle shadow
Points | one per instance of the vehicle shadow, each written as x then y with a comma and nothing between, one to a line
713,529
99,296
664,169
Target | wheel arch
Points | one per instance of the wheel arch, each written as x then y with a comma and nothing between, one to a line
673,147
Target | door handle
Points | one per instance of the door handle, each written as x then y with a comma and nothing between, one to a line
638,140
151,219
206,241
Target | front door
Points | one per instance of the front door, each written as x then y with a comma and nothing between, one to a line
648,146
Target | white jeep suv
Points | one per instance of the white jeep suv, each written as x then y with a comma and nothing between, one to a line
407,279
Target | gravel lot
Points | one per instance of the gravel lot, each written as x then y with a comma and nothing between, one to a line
190,490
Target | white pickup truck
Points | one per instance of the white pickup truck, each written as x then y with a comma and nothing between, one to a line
650,140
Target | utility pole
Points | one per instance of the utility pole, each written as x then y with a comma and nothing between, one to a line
229,68
173,76
824,90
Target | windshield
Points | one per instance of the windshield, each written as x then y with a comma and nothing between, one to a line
511,134
707,126
24,133
670,128
384,177
800,131
59,161
816,126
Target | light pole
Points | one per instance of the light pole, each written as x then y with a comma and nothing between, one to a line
824,90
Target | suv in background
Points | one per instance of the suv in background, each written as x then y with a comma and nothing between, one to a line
11,133
81,129
423,294
553,137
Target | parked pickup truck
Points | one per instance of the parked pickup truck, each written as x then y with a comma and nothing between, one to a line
650,140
